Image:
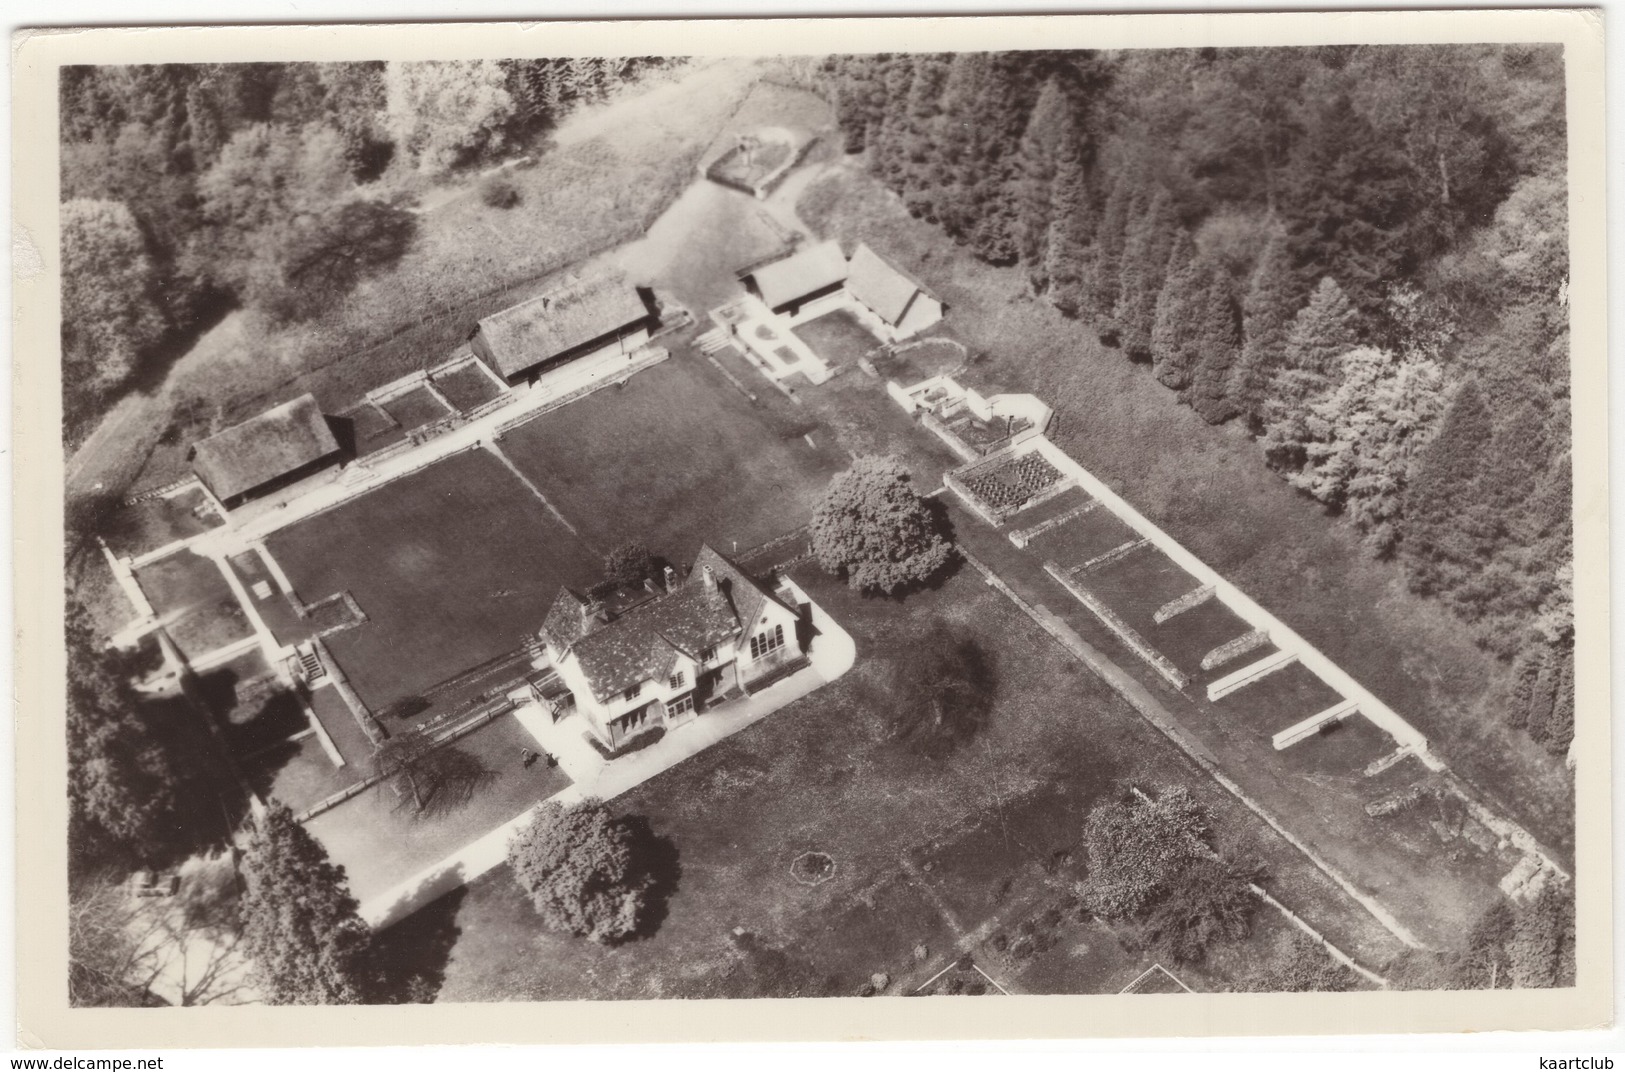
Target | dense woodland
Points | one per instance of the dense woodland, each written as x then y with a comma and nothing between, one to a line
191,189
1358,255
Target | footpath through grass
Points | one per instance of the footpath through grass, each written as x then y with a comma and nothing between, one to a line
1208,487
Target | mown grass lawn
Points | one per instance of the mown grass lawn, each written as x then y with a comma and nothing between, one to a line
452,565
1208,488
675,457
819,776
381,843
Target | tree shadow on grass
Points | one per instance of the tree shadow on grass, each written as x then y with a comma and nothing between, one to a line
408,961
656,856
449,778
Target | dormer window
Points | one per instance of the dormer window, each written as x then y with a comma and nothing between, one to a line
677,680
708,654
632,692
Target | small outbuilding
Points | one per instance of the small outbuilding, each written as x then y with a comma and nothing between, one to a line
900,302
790,283
266,452
587,318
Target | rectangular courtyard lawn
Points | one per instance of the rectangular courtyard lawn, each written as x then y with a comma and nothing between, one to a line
675,457
466,386
452,565
414,408
194,601
381,844
1082,538
837,337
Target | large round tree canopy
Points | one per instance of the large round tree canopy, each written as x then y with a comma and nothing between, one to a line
873,528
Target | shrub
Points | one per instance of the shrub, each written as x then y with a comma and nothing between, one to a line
499,191
1304,967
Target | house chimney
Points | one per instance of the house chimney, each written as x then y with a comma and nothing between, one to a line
710,579
671,578
591,610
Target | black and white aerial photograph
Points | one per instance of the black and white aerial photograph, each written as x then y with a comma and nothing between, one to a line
1086,520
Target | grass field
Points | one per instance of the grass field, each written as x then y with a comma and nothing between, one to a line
452,565
704,463
1208,488
380,844
194,601
837,337
818,776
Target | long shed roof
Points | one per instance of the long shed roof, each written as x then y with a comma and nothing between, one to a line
800,274
264,447
534,331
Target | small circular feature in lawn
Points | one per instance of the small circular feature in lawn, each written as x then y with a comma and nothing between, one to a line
811,868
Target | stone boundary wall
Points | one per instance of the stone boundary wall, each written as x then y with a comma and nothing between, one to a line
1300,731
163,490
1116,554
1023,537
1189,601
964,450
1124,631
1224,686
1230,649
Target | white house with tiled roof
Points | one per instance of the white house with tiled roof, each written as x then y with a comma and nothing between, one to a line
632,664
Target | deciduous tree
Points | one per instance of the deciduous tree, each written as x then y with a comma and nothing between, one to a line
579,865
873,528
302,933
446,112
110,310
1365,434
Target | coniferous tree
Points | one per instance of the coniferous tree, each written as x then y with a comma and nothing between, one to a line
1106,261
1320,333
121,783
1560,723
1068,252
1347,204
1217,346
1179,312
1044,140
1526,671
1146,249
923,168
1449,526
300,926
1272,300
